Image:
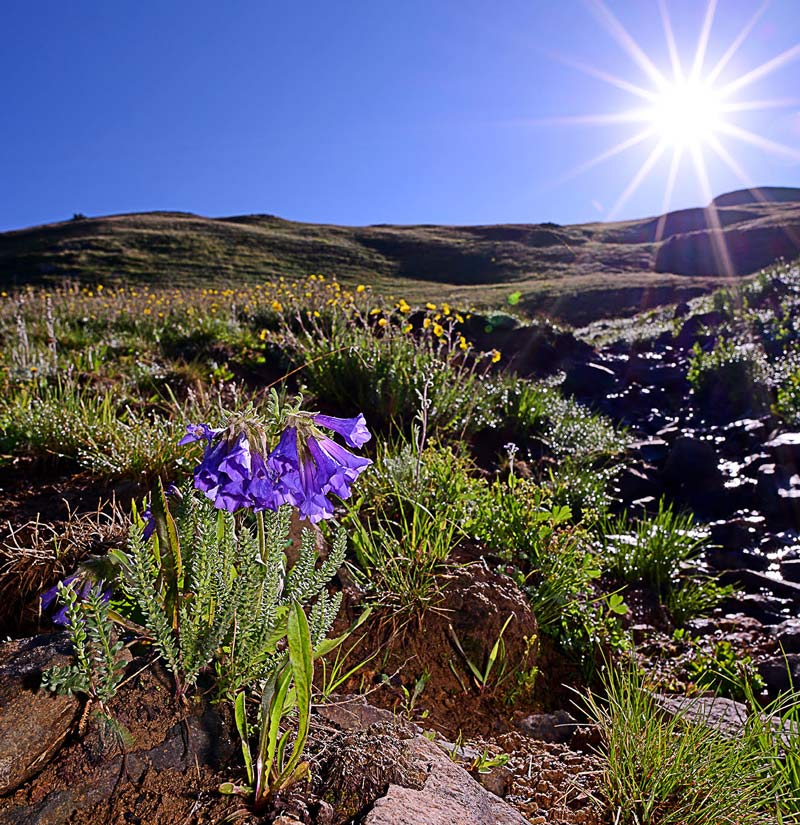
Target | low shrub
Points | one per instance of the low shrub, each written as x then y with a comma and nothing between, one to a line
408,518
555,564
731,379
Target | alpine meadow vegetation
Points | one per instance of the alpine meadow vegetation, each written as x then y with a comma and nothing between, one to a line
290,480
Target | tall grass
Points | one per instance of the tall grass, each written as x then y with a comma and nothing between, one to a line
665,770
63,421
651,550
410,515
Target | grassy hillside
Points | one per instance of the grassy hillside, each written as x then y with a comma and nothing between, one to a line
577,272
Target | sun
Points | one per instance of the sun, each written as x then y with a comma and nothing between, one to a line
684,110
687,113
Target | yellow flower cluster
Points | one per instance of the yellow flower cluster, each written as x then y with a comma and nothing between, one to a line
314,297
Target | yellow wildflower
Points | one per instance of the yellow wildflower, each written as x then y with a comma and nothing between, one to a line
495,356
383,322
430,306
375,311
426,323
277,306
407,328
263,335
438,330
403,305
360,288
459,318
445,309
462,343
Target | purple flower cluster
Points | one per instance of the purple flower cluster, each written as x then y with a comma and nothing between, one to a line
48,599
302,470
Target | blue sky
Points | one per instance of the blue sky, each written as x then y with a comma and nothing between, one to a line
361,112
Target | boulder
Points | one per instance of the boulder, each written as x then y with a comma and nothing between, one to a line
380,763
786,449
696,327
636,483
780,673
790,570
449,794
755,582
735,558
33,722
787,635
558,726
733,534
722,715
650,372
652,450
589,381
691,461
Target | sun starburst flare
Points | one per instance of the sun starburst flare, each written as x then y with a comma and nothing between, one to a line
685,110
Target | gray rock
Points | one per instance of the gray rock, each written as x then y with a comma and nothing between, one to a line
652,450
691,462
790,569
767,609
550,727
589,381
787,634
497,780
755,582
730,558
353,713
734,534
33,722
449,795
781,673
786,448
635,483
722,715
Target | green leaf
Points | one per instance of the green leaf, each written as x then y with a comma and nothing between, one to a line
475,672
327,645
495,650
616,604
232,788
272,703
240,714
170,551
301,659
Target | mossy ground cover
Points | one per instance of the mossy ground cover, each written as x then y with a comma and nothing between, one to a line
98,384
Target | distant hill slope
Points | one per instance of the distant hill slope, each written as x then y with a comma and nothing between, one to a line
577,272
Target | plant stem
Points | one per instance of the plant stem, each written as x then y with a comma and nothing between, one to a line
262,537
